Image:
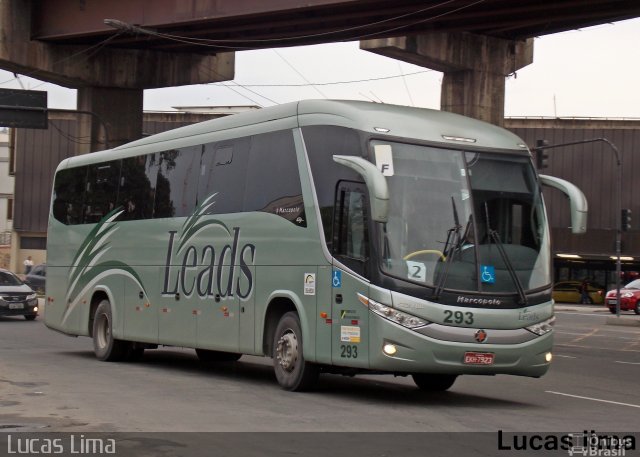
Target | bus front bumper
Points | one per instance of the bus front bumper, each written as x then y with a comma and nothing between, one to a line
397,349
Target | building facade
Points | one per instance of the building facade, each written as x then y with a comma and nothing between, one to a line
6,198
593,168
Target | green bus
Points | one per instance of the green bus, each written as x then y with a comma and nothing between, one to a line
333,236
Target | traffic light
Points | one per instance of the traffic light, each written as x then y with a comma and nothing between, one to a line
626,219
542,157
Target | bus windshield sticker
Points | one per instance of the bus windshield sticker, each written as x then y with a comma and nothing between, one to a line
487,274
384,159
416,271
349,334
309,283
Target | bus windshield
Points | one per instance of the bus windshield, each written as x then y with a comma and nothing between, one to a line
463,221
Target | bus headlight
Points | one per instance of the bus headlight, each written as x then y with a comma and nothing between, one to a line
389,349
399,317
542,328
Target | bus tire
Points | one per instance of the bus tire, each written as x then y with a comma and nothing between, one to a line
105,346
206,355
292,371
434,382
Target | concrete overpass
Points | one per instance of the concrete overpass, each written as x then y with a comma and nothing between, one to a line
162,43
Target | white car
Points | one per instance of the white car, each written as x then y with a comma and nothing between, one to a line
16,298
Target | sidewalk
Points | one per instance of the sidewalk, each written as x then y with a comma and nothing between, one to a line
581,308
626,319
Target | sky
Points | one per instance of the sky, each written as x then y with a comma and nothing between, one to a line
591,72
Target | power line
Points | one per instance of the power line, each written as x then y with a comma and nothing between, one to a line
301,75
406,86
354,81
96,46
219,75
207,42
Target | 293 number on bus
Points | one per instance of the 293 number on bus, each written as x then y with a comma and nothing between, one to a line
458,317
348,351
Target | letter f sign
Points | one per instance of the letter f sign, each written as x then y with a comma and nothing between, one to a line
386,169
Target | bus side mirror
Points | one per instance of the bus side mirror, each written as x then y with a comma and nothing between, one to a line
376,184
577,201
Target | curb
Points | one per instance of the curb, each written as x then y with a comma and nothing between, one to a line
581,308
623,321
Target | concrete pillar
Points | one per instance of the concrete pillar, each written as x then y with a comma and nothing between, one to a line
109,116
474,67
109,80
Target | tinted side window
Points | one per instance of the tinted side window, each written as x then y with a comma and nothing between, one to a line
273,180
350,235
101,191
322,143
137,187
68,193
223,173
177,184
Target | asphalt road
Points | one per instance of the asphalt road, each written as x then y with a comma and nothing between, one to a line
51,382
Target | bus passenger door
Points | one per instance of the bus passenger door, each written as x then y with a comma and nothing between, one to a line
176,320
218,314
350,246
140,315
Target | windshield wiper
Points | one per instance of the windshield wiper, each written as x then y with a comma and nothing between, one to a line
449,248
505,258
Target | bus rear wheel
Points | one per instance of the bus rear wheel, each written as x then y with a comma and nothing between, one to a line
434,382
292,371
105,346
206,355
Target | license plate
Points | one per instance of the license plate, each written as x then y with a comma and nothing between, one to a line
612,302
16,305
478,358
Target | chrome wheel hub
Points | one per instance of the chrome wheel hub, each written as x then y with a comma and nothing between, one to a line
103,332
287,351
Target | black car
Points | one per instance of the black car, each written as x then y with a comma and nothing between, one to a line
36,278
16,298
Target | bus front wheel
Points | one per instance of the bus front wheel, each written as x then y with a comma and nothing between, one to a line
434,382
292,371
105,346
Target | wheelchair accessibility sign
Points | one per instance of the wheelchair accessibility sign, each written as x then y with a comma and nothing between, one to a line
336,279
487,274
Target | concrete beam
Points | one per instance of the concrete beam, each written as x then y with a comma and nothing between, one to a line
474,67
110,82
99,66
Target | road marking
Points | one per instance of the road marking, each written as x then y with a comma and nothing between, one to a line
565,356
569,345
628,363
582,314
593,399
600,335
586,335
